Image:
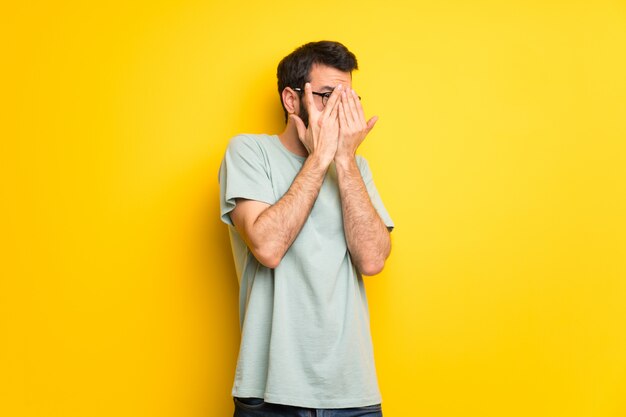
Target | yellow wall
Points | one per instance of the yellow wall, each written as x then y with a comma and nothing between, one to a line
500,153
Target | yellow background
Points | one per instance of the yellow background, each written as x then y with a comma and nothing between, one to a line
500,153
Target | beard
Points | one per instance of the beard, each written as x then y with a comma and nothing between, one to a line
304,114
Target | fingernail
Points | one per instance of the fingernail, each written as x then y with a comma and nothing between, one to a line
339,87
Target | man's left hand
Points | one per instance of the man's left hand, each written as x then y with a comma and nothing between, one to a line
352,125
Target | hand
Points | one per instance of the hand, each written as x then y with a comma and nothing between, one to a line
321,137
352,126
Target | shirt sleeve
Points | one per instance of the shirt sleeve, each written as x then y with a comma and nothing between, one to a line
244,173
373,192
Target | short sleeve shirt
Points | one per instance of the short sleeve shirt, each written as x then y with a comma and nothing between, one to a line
305,337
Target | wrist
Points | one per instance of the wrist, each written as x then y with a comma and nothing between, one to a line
318,162
344,160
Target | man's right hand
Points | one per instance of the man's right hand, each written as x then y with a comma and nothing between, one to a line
321,137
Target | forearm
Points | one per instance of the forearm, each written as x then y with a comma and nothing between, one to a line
366,234
275,229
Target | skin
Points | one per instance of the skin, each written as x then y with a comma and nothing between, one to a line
333,135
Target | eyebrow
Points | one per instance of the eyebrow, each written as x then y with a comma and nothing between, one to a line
327,88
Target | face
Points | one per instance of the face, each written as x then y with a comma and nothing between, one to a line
323,79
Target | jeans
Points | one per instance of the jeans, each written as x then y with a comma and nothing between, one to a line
256,407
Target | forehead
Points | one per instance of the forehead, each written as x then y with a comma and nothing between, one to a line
325,76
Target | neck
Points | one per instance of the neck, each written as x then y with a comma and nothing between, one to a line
289,139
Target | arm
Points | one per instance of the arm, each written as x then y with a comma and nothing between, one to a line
366,234
269,230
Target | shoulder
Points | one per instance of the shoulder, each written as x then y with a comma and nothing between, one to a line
248,145
245,141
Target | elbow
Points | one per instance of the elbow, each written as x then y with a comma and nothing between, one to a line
267,258
372,267
270,263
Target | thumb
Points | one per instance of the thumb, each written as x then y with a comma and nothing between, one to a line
371,122
299,125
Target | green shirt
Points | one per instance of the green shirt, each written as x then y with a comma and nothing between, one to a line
305,337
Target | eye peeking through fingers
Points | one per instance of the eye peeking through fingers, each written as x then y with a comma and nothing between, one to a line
324,96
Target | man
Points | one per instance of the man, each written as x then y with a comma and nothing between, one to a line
305,222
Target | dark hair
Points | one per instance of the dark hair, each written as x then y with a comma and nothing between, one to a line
294,70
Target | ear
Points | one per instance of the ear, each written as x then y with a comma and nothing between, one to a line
291,100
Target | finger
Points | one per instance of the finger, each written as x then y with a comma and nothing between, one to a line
371,122
348,121
334,114
359,108
354,112
299,125
332,101
308,100
345,101
343,122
